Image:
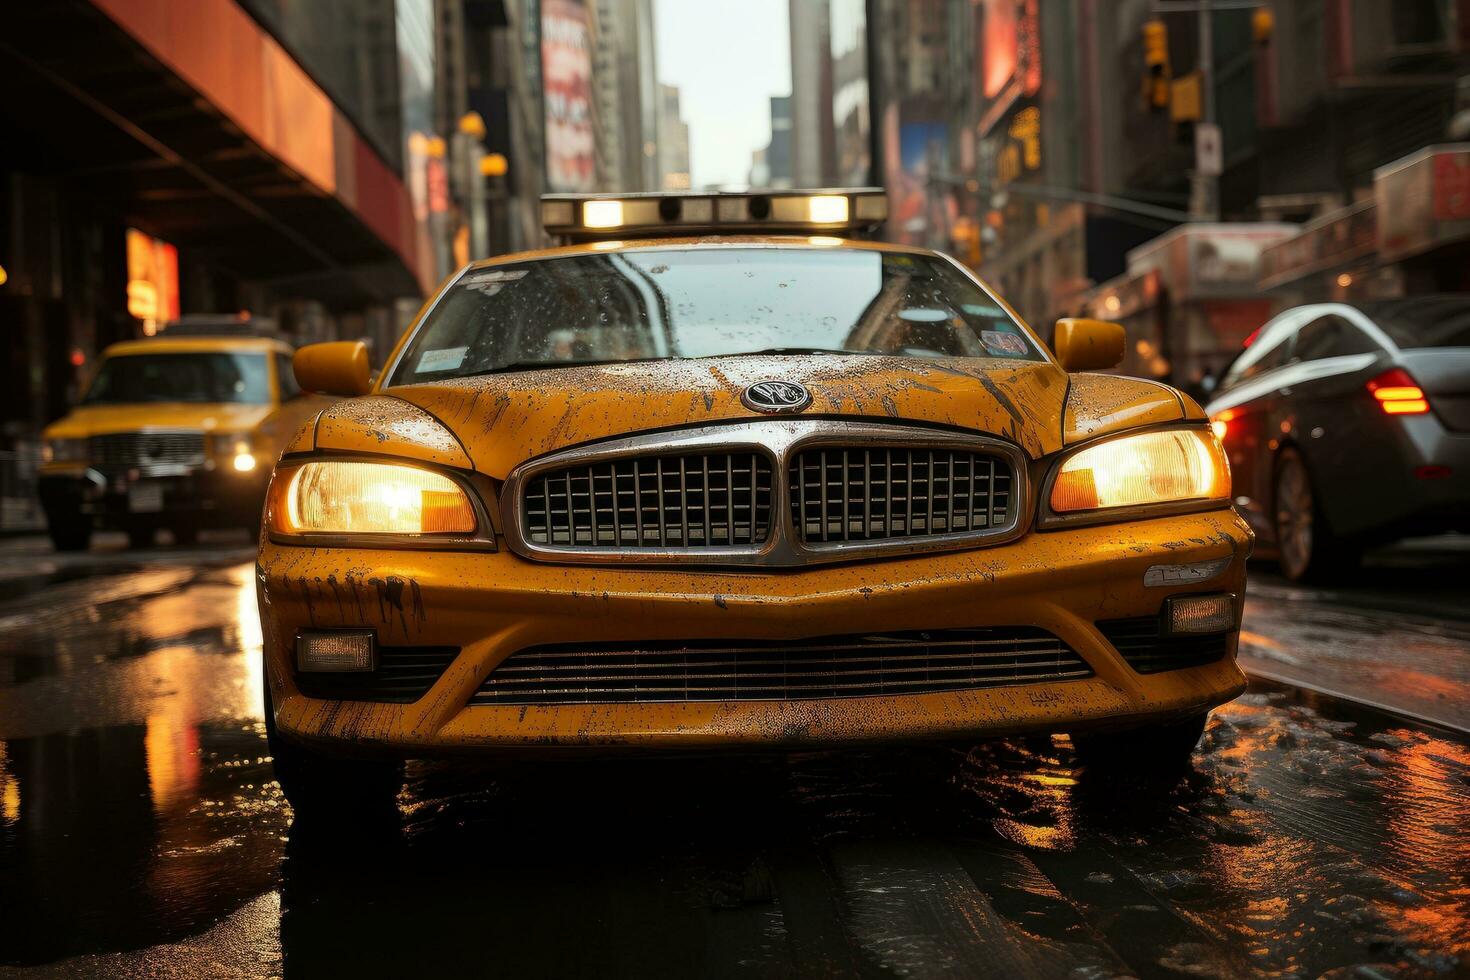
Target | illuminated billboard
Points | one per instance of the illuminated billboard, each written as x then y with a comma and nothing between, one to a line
153,280
1011,56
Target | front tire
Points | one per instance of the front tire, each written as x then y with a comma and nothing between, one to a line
1153,753
321,786
1307,549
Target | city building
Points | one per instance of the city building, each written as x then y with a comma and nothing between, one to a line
852,131
813,135
203,158
1059,148
771,166
672,141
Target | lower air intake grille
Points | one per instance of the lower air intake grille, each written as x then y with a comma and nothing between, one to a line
403,676
693,501
843,494
761,670
1142,643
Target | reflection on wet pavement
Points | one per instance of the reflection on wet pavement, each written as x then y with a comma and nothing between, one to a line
1416,664
141,833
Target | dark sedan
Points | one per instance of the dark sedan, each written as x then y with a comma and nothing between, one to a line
1349,426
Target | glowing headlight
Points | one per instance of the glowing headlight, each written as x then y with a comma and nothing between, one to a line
344,497
1148,468
64,451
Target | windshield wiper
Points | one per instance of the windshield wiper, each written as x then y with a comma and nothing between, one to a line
794,350
515,366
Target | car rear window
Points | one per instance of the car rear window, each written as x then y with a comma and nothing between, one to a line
1423,321
661,303
181,377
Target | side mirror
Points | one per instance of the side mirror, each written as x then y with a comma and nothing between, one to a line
1087,345
338,368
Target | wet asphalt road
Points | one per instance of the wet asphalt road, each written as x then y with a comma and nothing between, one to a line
141,833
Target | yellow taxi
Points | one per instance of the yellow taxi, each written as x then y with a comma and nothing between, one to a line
718,475
174,432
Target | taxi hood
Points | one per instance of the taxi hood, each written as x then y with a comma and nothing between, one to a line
502,420
101,419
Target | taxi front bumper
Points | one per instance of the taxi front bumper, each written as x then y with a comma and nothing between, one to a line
490,605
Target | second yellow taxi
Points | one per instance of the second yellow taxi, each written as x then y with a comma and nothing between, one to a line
717,477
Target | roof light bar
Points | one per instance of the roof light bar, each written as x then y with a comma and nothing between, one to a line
589,217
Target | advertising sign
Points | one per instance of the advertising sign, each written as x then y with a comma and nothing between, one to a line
566,69
1011,56
1423,201
920,211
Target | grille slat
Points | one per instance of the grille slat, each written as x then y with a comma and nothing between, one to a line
1142,643
125,450
973,495
826,667
653,502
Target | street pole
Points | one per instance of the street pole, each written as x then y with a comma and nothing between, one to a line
1209,183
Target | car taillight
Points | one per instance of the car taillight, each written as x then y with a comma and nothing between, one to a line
1397,394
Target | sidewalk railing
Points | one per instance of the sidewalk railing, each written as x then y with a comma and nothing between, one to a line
20,508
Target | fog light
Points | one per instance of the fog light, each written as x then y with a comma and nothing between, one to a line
1200,614
244,462
338,651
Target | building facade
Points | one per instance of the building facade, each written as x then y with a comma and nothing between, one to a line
672,142
214,157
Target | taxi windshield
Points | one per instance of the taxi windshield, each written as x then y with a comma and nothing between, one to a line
662,303
203,377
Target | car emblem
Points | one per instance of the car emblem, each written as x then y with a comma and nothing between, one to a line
774,397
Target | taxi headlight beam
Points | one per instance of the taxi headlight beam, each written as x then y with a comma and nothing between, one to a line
1170,468
346,497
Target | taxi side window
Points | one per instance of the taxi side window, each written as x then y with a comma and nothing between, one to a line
286,377
1331,336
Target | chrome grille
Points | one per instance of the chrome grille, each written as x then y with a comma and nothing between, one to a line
768,492
125,450
842,494
763,670
700,500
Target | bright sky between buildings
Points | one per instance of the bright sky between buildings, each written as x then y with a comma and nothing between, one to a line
727,59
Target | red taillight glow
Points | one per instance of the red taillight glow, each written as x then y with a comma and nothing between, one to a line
1397,394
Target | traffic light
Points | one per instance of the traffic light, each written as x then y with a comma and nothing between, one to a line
1156,89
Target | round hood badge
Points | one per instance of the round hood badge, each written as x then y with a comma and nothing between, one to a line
775,397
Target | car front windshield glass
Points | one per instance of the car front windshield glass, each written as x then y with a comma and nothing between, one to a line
708,302
1423,321
204,377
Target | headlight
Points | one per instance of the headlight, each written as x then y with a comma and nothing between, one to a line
345,497
1174,466
235,451
64,451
